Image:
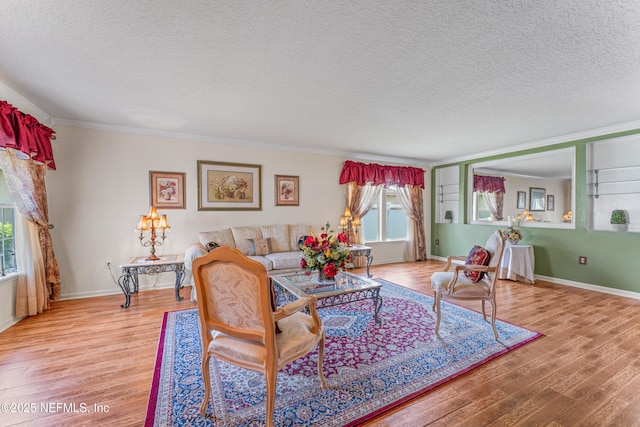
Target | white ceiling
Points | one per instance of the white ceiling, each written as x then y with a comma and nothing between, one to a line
421,80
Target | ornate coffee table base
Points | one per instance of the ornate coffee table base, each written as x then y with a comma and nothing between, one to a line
333,297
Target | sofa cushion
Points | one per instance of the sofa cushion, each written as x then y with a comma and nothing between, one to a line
221,237
295,233
241,235
264,261
282,260
279,235
477,256
260,247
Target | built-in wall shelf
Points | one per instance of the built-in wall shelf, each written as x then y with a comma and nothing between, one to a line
613,182
628,175
448,193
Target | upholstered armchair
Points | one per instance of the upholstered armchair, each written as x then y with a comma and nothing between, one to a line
238,321
476,279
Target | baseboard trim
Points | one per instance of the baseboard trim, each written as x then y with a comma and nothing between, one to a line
574,284
102,293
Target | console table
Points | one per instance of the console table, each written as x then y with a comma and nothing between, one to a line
360,250
518,263
128,282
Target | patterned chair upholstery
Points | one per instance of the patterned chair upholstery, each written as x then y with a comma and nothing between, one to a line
238,323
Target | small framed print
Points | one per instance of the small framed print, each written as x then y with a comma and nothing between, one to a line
287,190
522,200
167,190
550,203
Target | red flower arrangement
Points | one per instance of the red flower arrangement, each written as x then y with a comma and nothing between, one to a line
325,252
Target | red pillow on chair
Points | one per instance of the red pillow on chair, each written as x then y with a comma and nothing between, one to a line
477,256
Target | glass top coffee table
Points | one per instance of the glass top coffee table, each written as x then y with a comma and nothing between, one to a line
347,288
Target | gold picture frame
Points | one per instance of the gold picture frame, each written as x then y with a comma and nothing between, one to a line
229,186
167,190
287,190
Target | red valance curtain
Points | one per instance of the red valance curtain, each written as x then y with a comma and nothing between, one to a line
491,184
375,174
24,133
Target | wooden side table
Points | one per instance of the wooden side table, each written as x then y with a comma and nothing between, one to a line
360,250
129,283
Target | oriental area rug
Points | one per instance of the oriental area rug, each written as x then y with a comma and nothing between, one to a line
369,368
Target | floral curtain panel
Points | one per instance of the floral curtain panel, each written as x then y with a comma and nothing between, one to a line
25,155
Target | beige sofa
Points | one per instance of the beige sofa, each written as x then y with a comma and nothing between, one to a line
274,246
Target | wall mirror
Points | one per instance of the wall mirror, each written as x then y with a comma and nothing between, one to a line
529,181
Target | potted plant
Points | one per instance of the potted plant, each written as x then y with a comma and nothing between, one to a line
619,220
448,216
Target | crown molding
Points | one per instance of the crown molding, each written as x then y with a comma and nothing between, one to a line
23,104
603,131
232,141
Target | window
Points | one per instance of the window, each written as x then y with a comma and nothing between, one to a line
480,208
385,224
7,230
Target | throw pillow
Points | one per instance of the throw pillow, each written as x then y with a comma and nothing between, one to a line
477,256
274,306
301,241
259,247
211,245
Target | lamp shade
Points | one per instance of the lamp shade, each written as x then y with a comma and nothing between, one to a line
343,221
347,213
164,224
153,214
142,224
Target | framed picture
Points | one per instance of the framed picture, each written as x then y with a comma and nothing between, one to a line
550,203
166,190
522,200
229,186
287,190
537,199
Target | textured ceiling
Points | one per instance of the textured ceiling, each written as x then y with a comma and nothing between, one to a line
425,80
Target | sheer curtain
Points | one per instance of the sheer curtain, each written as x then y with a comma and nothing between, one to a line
25,155
359,199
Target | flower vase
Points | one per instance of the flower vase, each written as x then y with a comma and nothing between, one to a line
322,278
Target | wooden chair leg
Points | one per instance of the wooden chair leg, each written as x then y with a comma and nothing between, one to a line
271,377
206,376
493,319
484,314
436,304
323,381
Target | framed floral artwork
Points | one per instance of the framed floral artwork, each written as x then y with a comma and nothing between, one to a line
229,186
550,202
167,190
287,190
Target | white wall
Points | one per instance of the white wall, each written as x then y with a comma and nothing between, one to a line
101,188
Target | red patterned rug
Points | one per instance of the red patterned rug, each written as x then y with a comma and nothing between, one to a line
370,368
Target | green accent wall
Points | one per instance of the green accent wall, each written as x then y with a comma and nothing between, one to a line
612,257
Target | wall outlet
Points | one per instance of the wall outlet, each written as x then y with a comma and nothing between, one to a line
107,265
437,242
582,260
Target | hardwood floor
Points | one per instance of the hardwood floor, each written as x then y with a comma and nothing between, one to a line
585,371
